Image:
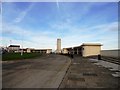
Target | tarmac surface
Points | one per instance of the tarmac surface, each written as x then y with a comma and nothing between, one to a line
50,72
43,72
86,74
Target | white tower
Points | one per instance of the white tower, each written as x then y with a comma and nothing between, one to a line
58,46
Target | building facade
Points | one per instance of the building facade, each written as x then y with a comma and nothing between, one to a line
65,51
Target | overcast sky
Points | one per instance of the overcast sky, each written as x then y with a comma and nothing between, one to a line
39,24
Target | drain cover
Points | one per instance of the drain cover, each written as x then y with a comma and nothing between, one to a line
89,74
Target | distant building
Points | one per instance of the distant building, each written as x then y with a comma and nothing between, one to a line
86,49
14,48
58,46
29,50
47,51
65,51
23,50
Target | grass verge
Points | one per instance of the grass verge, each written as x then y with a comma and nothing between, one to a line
16,56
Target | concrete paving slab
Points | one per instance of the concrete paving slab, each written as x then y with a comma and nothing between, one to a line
95,76
111,66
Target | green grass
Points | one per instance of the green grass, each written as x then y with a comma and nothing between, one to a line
16,56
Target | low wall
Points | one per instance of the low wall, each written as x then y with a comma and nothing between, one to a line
110,53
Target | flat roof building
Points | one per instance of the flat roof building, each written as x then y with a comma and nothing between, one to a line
86,49
91,49
47,51
13,48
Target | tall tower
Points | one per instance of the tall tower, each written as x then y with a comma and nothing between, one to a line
58,45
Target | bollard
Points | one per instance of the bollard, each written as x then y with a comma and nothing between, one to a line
72,56
99,57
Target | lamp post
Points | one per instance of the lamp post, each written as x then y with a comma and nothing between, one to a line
22,43
22,51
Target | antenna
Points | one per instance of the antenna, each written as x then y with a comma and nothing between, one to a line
10,42
22,45
57,2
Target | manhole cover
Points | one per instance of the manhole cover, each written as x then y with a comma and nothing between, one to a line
76,77
89,74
